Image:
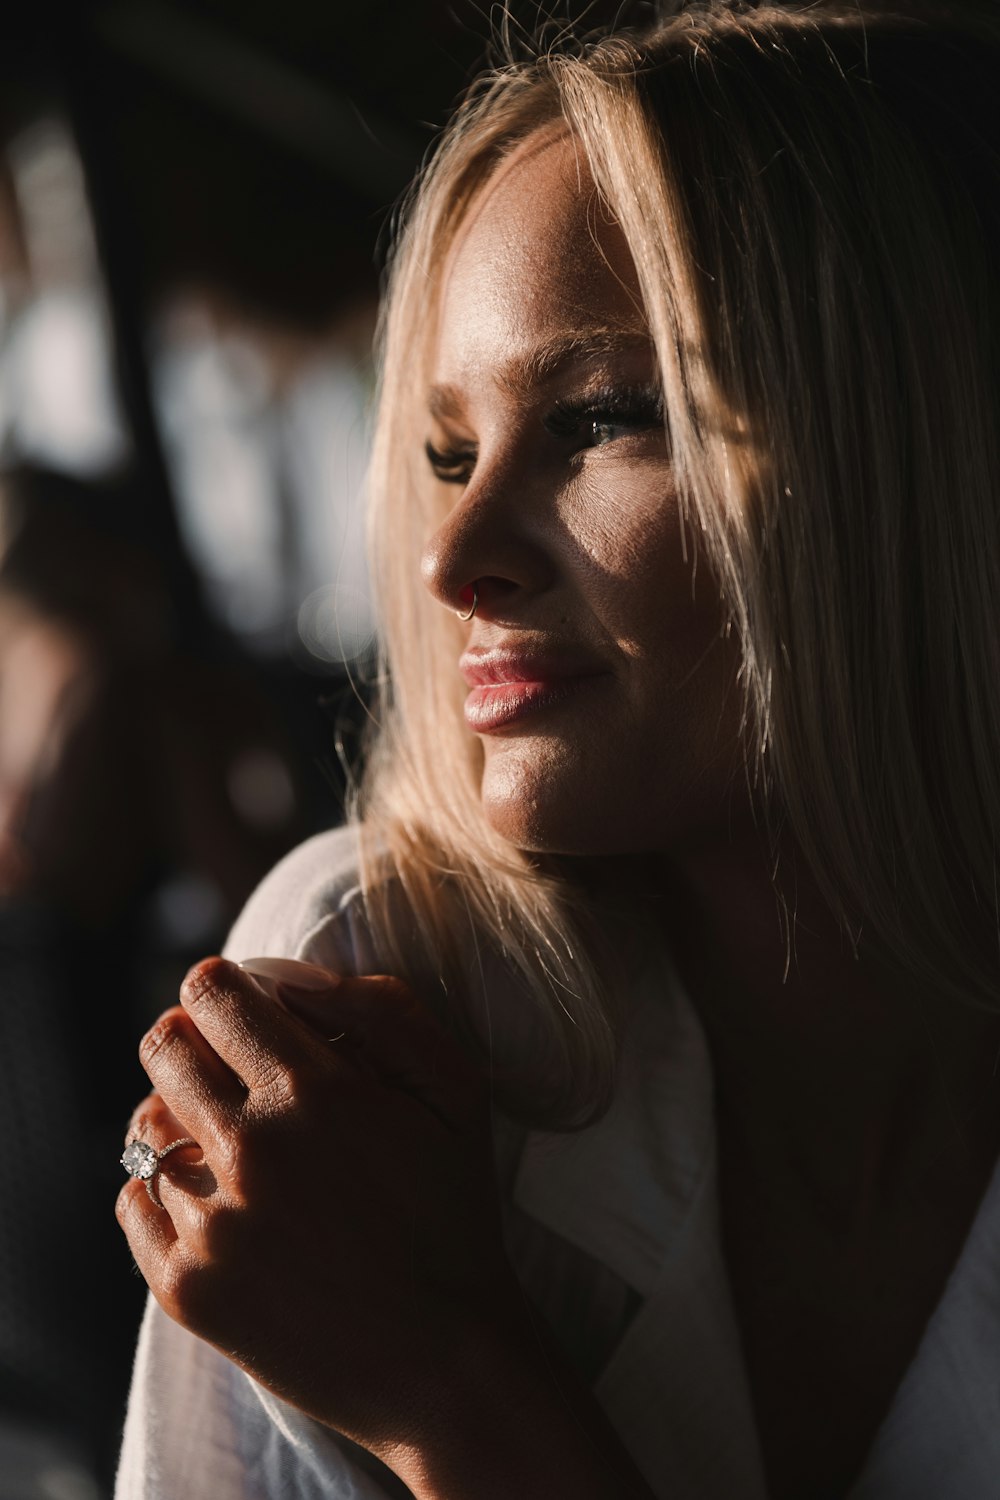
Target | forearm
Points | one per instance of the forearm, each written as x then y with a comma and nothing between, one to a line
516,1421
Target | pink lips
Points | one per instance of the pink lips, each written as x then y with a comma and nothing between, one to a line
507,685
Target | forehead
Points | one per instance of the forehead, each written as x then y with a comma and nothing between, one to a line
538,262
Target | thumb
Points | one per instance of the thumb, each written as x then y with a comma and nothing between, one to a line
305,989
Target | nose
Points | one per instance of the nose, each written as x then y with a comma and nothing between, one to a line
492,538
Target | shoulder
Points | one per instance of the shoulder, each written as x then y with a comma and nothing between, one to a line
309,906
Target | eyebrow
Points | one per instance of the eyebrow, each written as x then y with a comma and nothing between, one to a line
523,373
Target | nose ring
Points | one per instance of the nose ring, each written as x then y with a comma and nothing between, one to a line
475,602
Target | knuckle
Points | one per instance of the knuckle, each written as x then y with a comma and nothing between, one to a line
235,1157
162,1034
146,1119
246,1151
181,1293
222,1235
130,1209
283,1083
138,1125
256,1153
204,980
246,1171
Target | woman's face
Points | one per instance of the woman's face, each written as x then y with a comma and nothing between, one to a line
599,684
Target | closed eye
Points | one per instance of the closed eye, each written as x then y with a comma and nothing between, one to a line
451,465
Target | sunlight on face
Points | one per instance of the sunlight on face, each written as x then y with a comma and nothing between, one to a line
599,684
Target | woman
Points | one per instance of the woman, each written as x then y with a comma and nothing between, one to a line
666,1164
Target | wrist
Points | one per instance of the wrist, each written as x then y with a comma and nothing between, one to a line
510,1416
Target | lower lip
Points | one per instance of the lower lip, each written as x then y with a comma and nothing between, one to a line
494,706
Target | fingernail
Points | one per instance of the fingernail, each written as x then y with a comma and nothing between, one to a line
309,979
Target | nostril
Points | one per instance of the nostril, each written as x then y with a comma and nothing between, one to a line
469,598
485,597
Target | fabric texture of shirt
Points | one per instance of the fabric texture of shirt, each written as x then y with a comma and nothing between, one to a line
613,1232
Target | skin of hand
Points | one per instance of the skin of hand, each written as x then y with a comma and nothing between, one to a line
336,1232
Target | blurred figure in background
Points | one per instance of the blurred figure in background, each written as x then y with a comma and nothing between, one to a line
189,202
125,838
154,758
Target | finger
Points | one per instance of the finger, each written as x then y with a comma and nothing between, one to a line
158,1251
400,1038
202,1093
310,985
154,1121
364,1004
308,992
149,1230
261,1042
184,1179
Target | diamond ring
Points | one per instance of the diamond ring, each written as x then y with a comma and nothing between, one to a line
142,1161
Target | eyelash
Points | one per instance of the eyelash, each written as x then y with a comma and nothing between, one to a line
634,407
451,465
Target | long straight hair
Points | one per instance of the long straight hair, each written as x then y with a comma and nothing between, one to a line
810,197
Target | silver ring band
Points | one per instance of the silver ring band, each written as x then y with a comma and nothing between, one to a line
142,1161
473,606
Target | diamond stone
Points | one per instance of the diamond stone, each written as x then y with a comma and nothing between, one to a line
139,1160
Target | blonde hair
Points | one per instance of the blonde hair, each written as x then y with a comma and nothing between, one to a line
809,194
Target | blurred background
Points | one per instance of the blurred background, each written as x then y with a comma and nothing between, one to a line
193,195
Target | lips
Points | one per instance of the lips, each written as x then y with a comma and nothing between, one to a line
508,685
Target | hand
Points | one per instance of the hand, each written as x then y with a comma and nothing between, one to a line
336,1232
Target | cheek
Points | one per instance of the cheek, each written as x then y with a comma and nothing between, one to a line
660,610
622,533
651,756
627,786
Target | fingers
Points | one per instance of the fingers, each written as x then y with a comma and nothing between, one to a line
203,1095
154,1121
149,1230
262,1043
155,1124
231,1045
184,1178
398,1036
157,1249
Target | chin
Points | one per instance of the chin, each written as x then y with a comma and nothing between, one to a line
540,835
555,815
551,800
531,798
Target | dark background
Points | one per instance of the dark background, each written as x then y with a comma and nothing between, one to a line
192,202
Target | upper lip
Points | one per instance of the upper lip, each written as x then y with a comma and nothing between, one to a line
481,666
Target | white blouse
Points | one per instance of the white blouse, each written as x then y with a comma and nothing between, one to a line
613,1232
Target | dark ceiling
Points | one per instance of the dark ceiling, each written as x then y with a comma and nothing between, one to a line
255,148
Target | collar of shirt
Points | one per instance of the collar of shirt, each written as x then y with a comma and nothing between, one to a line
638,1192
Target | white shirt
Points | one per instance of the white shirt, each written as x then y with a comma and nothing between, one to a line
613,1232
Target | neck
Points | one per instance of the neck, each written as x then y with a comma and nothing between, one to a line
817,1046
